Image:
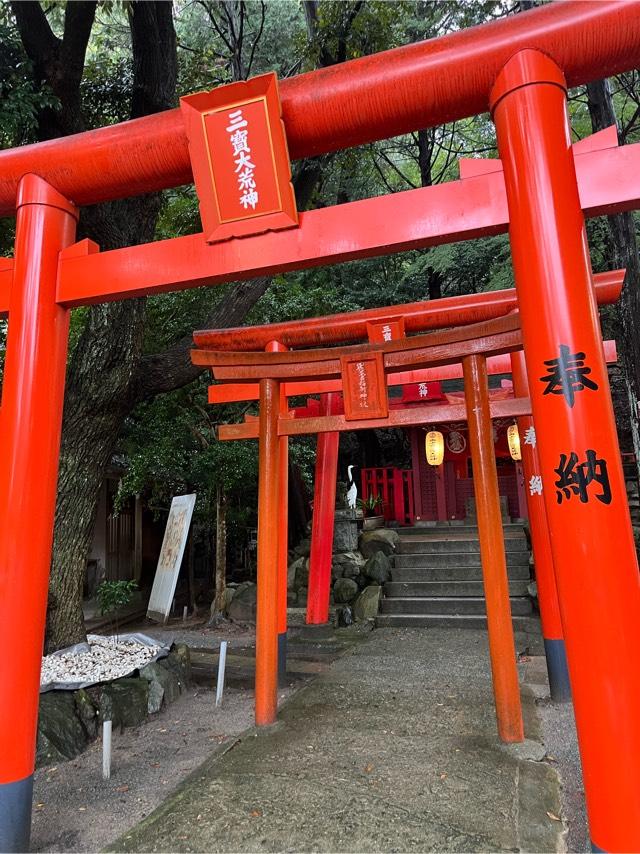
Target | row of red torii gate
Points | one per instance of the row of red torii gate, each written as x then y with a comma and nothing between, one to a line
235,143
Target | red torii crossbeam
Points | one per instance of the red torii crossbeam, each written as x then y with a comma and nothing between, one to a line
528,59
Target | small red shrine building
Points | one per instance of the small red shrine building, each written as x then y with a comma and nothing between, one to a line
445,492
427,493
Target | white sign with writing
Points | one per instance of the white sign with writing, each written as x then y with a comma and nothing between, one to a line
175,539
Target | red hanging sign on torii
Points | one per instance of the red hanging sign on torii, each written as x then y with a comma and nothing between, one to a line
240,160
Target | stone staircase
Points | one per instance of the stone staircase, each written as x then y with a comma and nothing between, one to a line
437,578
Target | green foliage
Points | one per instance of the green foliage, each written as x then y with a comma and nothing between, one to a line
114,595
370,504
20,98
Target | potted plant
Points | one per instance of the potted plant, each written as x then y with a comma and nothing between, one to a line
371,507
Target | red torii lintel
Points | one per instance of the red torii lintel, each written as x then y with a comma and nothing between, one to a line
374,97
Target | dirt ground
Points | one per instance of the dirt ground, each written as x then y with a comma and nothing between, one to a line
76,810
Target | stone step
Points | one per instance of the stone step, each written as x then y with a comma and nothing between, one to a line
452,573
459,621
424,589
520,606
453,559
453,528
421,545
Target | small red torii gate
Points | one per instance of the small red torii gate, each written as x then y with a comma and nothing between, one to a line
363,370
376,324
540,190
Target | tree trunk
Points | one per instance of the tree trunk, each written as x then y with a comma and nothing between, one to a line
625,254
220,577
97,380
107,374
98,392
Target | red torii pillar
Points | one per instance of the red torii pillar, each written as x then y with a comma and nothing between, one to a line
502,651
554,649
30,427
583,482
269,555
322,524
283,546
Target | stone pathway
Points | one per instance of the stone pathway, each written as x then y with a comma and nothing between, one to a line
394,748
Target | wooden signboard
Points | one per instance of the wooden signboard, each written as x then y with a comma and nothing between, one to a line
240,159
171,553
364,387
387,330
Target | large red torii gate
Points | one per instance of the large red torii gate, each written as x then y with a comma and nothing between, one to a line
519,67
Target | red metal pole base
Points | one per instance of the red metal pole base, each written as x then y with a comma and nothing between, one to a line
283,530
30,426
557,670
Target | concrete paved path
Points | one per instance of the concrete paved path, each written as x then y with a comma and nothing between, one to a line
393,749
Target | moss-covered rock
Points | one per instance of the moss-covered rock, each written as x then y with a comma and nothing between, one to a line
61,735
179,662
125,702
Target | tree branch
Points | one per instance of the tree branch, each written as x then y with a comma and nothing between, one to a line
37,37
162,372
155,66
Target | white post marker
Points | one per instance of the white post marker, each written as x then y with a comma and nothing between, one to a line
185,612
222,660
106,750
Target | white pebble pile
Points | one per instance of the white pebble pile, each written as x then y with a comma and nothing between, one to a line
108,658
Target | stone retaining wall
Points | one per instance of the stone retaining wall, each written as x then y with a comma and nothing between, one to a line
69,720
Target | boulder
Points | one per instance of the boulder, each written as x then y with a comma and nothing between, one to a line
303,592
165,679
292,598
61,735
349,557
125,702
178,662
344,590
362,581
345,616
302,574
336,571
156,695
243,605
87,712
292,571
378,540
378,568
229,593
367,604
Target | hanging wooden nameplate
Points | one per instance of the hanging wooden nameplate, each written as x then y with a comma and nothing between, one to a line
240,159
364,387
